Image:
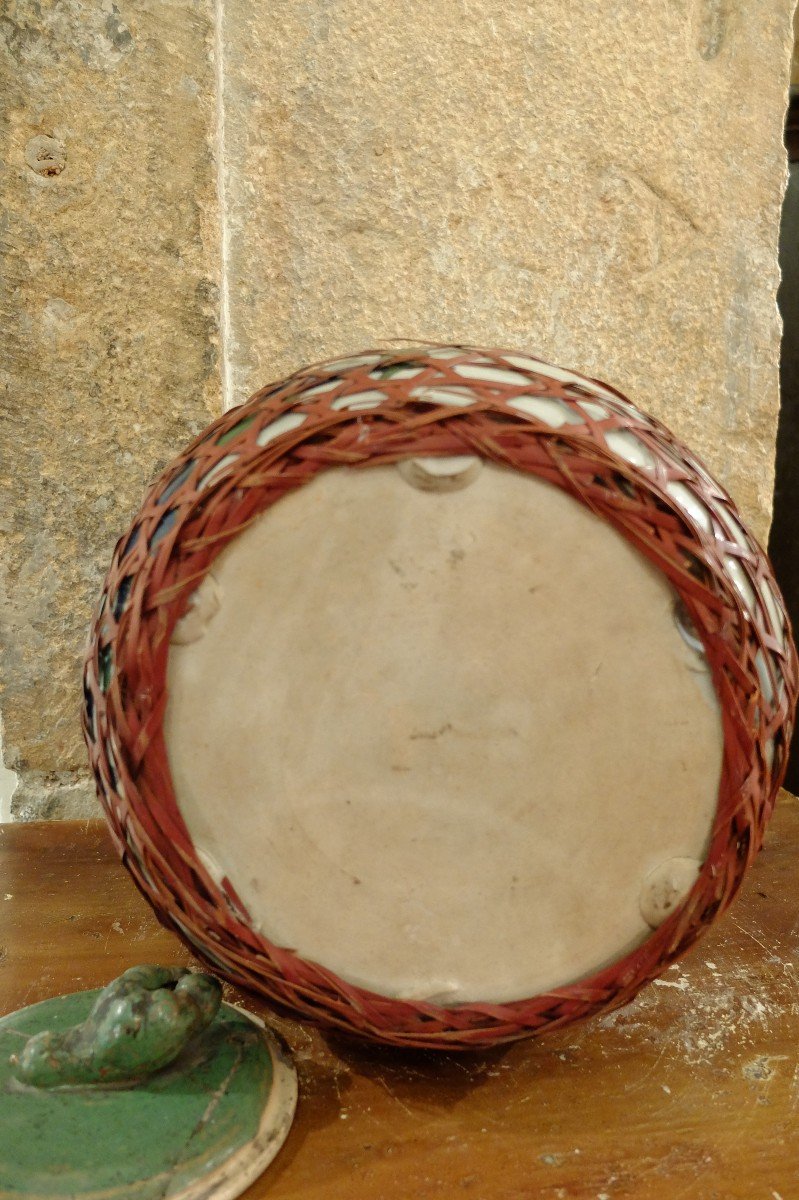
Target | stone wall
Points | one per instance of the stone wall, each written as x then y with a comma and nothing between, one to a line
109,328
604,192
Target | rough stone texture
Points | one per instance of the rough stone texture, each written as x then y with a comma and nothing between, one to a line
108,324
50,795
598,185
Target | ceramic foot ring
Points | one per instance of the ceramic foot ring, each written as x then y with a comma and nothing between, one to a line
439,695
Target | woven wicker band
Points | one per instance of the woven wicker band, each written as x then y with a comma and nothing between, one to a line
378,408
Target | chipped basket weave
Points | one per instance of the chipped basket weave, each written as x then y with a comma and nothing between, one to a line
378,408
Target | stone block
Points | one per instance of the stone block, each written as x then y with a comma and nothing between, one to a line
109,329
598,186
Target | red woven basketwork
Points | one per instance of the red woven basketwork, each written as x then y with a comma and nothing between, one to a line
579,435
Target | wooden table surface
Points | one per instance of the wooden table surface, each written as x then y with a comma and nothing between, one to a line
689,1093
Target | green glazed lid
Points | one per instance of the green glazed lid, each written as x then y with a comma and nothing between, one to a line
149,1089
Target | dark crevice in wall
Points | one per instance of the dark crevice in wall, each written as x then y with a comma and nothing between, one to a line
784,539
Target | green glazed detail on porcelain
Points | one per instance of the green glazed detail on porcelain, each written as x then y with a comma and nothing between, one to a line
163,1137
139,1024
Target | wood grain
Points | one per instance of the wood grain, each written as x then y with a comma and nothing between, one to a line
691,1091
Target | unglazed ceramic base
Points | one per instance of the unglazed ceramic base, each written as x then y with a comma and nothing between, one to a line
201,1129
439,740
